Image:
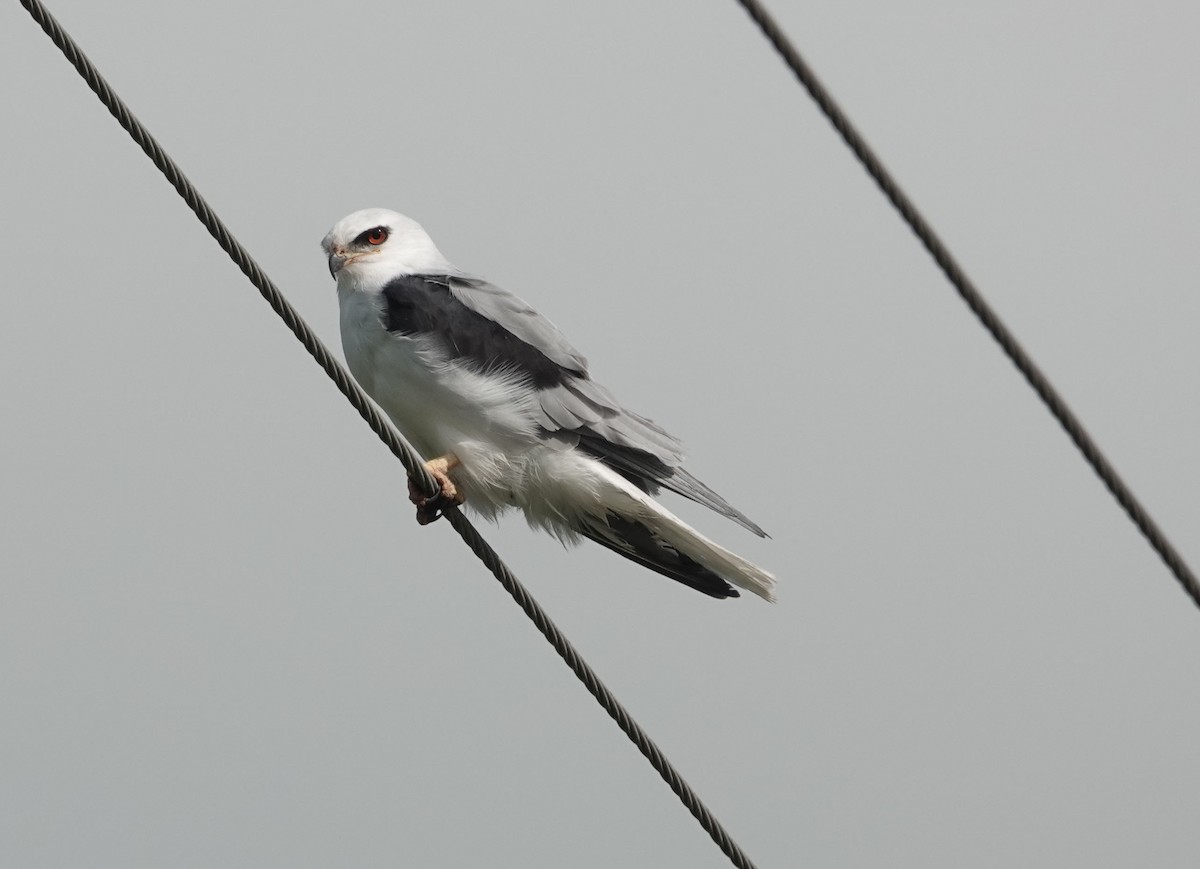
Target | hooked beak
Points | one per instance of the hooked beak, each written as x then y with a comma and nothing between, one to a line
337,259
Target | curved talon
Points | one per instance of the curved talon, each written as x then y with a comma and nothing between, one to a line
430,510
431,507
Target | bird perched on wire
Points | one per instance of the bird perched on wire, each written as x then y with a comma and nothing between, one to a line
479,380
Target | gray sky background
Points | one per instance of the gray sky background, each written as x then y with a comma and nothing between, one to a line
225,642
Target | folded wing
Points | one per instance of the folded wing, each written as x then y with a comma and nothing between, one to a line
495,329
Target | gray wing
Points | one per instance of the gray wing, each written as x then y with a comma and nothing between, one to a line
575,408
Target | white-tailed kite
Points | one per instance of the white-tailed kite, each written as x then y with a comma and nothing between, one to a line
477,379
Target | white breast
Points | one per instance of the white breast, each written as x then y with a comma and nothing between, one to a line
442,405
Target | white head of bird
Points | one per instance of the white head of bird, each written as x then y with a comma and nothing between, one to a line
370,247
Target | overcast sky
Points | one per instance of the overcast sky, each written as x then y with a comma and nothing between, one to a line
225,642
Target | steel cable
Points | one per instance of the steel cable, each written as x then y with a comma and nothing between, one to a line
394,441
975,301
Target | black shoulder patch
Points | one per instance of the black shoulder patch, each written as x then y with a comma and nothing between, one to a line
423,305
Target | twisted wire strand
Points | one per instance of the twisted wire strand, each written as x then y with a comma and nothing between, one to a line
598,690
229,244
386,432
974,299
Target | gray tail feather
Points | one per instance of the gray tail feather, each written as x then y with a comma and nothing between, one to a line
638,543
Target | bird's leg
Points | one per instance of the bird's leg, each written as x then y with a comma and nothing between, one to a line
429,509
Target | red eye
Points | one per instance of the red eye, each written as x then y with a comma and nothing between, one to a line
377,236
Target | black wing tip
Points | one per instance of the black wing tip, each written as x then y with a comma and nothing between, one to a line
683,482
752,527
633,540
650,473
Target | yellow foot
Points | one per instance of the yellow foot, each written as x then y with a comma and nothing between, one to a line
429,509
